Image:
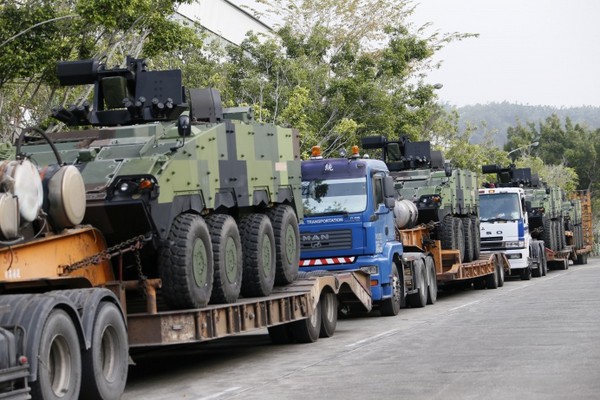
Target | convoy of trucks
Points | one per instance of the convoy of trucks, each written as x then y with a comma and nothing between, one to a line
170,223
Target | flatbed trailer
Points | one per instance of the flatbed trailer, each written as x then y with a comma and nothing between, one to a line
487,271
82,319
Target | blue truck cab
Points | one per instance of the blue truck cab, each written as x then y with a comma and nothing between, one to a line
349,223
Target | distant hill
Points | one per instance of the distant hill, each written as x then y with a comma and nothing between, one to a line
498,117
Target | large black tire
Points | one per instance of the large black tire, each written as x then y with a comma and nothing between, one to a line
105,363
476,227
534,253
391,306
258,246
543,259
447,230
561,234
186,264
287,243
548,234
491,280
307,330
329,313
419,299
58,360
500,272
227,258
460,235
526,274
432,287
468,238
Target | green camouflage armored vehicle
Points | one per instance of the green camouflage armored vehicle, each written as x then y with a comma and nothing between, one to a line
447,197
215,193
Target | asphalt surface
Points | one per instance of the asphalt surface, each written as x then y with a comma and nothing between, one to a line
537,339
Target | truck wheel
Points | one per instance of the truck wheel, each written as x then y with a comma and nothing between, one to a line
500,271
186,263
59,360
280,334
419,299
227,258
105,363
534,253
258,249
287,243
543,259
391,306
329,313
491,280
526,274
432,287
476,227
468,239
307,330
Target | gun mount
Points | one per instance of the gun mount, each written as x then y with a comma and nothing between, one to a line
402,154
512,177
122,96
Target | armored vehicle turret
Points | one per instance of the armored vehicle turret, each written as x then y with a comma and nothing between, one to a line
216,193
445,196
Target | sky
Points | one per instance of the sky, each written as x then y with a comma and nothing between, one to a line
530,52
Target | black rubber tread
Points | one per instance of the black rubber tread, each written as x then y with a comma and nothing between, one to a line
307,330
179,287
283,218
391,306
419,299
479,283
476,227
468,238
526,274
329,313
105,363
561,234
534,253
257,278
280,334
491,280
448,237
58,332
500,272
223,227
432,287
544,259
548,234
460,235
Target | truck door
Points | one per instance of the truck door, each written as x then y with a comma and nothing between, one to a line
382,216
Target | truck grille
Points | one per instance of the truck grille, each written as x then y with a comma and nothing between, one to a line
490,243
326,240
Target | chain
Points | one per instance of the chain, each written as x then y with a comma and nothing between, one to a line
134,244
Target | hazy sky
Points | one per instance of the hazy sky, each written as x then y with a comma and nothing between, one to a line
536,52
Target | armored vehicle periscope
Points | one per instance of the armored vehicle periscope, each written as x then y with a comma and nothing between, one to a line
442,195
215,193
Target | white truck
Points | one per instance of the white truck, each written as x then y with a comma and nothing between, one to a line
505,227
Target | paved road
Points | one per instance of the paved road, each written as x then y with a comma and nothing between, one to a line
537,339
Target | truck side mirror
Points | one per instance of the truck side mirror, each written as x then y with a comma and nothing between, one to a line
528,206
388,187
390,202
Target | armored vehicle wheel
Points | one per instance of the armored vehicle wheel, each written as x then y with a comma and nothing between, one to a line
419,299
561,234
186,263
468,238
548,234
59,360
329,313
227,258
476,227
432,287
459,233
391,306
287,243
448,237
258,249
105,364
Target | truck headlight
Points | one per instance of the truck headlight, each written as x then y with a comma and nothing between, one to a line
370,269
515,244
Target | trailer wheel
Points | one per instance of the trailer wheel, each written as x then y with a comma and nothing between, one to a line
186,263
500,271
227,258
432,286
287,243
543,259
391,306
534,253
329,313
105,363
491,280
468,239
59,360
307,330
476,227
280,334
526,274
419,299
258,246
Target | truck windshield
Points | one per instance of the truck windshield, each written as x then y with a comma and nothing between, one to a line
499,207
334,196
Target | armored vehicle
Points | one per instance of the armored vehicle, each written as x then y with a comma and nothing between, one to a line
444,196
215,193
